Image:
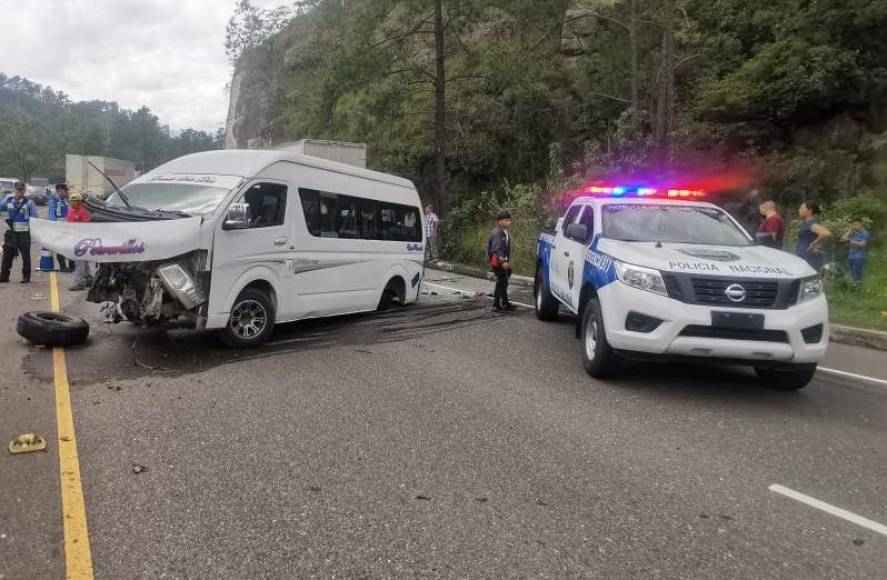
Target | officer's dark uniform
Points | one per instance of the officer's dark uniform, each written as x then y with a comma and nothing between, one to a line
17,239
499,252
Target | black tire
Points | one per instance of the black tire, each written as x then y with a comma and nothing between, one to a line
391,295
546,304
789,378
597,356
52,328
252,320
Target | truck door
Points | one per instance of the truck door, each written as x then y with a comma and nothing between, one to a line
567,258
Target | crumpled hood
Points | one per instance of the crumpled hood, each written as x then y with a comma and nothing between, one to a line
741,262
119,241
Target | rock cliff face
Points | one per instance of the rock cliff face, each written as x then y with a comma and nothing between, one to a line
245,127
579,27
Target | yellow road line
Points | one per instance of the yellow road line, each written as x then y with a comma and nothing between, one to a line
78,558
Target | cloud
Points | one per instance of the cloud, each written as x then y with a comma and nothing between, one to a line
166,54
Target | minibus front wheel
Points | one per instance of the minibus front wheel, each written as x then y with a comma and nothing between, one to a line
252,320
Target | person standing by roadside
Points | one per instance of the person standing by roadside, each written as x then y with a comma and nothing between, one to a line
17,240
432,232
78,213
58,211
772,230
858,237
499,257
811,235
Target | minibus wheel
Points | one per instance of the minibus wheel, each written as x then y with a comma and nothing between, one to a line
394,293
251,321
52,328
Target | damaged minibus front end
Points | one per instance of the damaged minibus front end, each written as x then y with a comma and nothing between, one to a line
154,269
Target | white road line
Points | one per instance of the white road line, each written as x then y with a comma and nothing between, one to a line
473,293
830,509
853,376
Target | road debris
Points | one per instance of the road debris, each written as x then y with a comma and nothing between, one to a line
137,469
27,443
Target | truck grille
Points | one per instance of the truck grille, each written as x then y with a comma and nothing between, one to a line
761,294
711,291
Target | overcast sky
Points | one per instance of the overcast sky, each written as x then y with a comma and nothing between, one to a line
166,54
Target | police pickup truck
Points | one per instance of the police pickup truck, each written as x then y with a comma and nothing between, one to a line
663,275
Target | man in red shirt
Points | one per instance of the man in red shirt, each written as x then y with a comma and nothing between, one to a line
772,230
77,212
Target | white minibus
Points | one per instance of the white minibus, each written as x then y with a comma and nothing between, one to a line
240,240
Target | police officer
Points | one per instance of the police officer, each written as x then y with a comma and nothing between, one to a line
58,212
499,257
17,239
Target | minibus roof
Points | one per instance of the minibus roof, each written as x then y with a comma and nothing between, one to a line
250,163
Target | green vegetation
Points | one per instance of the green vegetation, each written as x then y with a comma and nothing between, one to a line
862,307
39,126
756,99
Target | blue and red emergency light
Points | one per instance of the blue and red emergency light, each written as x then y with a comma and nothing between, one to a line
647,192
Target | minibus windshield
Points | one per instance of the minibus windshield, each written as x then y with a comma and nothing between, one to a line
190,198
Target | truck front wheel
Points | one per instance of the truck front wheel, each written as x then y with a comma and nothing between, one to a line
546,304
790,378
597,356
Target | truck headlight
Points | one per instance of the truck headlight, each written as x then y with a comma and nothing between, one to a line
181,285
641,278
810,289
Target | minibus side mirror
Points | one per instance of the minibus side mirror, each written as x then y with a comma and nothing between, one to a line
238,217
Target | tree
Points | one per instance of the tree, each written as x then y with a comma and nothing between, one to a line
251,26
39,126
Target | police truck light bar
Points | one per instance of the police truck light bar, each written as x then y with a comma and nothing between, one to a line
624,191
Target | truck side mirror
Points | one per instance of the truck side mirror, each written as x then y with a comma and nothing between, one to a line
578,232
238,217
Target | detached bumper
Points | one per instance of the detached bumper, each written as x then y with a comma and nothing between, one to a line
686,329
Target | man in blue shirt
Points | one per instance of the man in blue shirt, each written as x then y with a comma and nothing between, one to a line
858,237
17,239
58,212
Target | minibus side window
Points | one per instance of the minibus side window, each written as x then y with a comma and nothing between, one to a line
400,223
346,218
328,216
311,209
367,219
267,204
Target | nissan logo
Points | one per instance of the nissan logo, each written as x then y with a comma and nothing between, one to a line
735,293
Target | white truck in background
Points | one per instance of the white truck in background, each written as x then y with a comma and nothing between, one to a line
83,174
354,154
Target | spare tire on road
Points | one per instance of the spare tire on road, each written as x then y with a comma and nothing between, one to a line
52,328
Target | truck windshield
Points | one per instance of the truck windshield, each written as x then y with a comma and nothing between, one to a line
671,223
189,198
